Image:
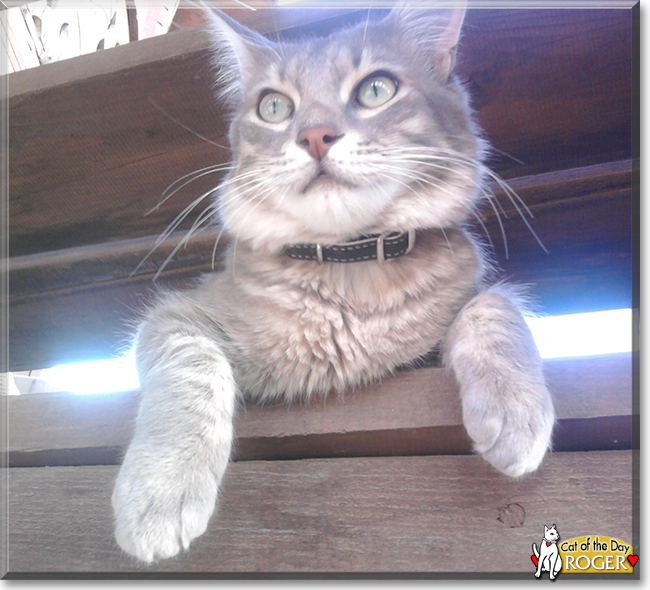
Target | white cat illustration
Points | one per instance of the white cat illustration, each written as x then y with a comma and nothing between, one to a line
548,559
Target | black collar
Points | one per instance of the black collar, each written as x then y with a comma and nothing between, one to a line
376,247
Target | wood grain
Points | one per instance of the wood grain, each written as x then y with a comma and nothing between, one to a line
417,412
583,216
91,152
396,515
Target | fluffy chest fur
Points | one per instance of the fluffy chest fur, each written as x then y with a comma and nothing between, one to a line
305,329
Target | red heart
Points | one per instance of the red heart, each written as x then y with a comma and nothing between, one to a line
536,561
548,544
633,559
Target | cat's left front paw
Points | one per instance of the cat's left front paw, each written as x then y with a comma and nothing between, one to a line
511,430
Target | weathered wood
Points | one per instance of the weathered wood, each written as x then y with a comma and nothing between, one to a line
68,141
573,209
417,412
403,515
583,216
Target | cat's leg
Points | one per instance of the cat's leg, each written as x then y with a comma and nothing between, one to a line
167,487
507,409
556,566
540,565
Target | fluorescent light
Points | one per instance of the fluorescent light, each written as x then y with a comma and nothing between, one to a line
583,334
112,375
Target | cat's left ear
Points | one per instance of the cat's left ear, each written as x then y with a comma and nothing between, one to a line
434,31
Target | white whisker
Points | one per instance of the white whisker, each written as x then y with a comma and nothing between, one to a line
180,124
166,195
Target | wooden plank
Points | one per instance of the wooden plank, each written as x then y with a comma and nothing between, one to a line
584,219
583,216
416,412
573,209
396,515
522,64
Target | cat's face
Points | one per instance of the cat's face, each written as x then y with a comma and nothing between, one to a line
361,132
551,534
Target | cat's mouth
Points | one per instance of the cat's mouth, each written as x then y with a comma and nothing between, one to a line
324,178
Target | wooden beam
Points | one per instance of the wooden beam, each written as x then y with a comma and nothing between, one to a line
583,216
393,515
416,412
81,174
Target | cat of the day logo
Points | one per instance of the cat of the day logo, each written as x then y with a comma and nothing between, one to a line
589,554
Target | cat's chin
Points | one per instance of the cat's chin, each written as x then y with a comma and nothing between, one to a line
328,212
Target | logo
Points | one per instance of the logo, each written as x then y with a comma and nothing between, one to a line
593,554
597,554
547,559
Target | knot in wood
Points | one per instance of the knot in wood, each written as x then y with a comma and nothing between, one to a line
512,515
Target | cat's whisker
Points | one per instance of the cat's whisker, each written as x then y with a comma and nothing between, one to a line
481,187
459,157
181,124
514,198
204,217
419,178
444,235
181,217
503,231
170,228
508,190
169,257
491,198
204,172
266,193
485,231
236,196
238,193
166,195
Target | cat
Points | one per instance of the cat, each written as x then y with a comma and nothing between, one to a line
356,166
548,557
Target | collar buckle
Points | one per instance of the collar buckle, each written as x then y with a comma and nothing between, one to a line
381,246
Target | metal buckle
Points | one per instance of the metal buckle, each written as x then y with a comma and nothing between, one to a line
411,241
319,253
381,253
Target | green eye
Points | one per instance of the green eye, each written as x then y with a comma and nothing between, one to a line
376,90
274,107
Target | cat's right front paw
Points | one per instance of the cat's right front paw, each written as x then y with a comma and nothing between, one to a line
513,436
160,507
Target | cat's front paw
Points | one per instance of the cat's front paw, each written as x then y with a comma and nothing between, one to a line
160,504
512,436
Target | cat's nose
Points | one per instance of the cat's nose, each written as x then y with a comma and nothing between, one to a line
317,141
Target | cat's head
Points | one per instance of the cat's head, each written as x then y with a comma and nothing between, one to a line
361,132
551,534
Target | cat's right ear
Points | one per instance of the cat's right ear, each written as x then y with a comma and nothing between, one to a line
239,53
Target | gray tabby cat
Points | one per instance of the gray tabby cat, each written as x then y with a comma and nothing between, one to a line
364,133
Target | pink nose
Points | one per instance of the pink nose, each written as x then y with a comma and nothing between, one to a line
317,141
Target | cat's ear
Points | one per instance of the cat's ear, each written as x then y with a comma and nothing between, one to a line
546,529
239,53
434,32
